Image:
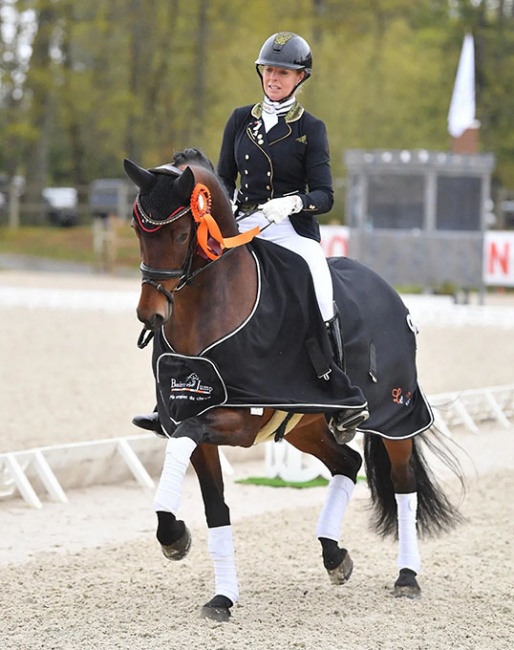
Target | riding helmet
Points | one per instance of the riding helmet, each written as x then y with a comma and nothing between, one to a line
286,50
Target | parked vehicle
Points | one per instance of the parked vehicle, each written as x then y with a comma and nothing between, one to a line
62,206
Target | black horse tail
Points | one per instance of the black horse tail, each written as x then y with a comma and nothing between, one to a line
436,514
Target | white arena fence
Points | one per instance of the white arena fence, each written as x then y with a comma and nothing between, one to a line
425,309
53,469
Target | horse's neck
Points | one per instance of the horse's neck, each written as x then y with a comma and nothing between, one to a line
215,304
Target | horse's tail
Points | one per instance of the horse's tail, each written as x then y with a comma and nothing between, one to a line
436,513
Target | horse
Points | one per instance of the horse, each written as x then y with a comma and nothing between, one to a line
202,281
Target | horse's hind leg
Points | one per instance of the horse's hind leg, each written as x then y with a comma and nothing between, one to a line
405,492
207,466
343,463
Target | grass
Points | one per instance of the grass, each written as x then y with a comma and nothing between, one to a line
75,244
278,482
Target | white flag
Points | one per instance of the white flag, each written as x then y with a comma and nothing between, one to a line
461,115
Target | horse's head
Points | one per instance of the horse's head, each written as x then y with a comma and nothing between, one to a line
168,212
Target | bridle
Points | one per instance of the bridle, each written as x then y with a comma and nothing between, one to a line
153,275
204,234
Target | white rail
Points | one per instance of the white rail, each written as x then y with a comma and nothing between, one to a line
468,409
53,469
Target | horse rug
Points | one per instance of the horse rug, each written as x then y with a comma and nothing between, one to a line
276,356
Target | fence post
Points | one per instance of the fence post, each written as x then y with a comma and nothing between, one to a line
14,203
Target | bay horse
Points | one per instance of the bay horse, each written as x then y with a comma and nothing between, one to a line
202,290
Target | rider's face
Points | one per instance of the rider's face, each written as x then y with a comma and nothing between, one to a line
279,83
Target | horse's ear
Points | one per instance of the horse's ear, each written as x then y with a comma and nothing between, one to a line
141,177
185,184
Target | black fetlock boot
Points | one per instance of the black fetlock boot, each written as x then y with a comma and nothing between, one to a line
342,424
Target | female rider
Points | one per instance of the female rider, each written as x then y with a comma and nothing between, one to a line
280,154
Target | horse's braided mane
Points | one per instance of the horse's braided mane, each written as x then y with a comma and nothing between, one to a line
192,155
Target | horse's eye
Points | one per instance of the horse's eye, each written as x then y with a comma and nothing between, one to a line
182,238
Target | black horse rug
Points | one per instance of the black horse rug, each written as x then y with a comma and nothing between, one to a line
278,356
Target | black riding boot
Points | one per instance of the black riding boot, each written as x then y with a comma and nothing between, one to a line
342,424
149,422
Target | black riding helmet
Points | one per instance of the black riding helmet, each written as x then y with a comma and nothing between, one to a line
286,50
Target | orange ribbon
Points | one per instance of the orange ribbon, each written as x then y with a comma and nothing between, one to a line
208,230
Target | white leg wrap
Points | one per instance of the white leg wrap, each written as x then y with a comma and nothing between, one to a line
339,493
221,549
408,553
176,460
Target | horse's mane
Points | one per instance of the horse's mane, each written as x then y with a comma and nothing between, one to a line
192,155
200,163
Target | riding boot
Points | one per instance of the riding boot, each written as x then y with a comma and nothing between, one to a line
342,424
149,422
335,336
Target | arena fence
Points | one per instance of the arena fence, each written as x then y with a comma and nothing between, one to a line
51,470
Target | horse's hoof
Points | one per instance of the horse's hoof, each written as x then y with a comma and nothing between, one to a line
406,586
341,573
179,549
217,609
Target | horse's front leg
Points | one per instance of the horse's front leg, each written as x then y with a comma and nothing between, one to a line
404,482
172,534
206,462
216,428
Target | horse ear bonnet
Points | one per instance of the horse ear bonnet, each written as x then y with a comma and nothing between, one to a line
140,177
185,185
163,189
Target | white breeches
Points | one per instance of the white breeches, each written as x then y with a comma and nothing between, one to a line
285,235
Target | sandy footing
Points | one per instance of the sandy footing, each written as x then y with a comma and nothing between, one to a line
90,575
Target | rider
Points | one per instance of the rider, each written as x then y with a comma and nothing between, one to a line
280,153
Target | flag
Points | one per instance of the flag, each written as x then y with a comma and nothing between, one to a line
461,115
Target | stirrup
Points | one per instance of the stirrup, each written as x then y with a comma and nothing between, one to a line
344,424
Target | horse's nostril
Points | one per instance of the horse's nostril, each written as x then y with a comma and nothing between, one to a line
156,322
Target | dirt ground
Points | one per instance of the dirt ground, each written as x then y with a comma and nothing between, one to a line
89,574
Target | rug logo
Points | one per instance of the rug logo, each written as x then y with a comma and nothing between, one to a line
399,398
191,389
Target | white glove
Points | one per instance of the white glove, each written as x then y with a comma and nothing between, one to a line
277,210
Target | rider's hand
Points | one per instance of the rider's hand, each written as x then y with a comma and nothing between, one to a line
277,210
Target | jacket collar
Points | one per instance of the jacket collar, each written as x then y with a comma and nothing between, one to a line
294,113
